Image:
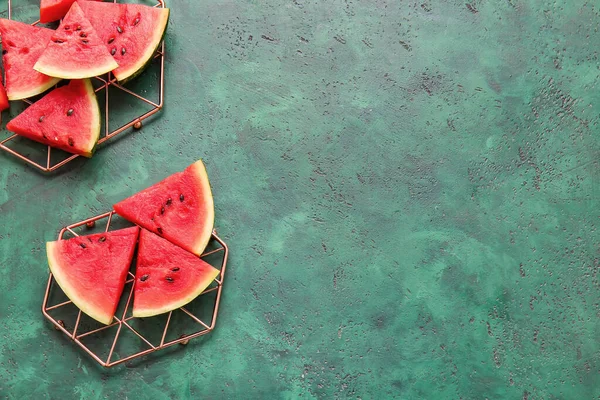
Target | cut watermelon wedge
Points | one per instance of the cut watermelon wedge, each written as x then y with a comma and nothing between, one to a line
132,32
3,98
179,208
91,270
167,277
75,51
22,45
67,118
53,10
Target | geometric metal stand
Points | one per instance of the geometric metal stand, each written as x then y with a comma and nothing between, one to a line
112,344
55,159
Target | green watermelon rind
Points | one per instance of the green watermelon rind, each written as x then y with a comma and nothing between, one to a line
98,125
199,170
20,95
62,74
96,113
150,58
59,272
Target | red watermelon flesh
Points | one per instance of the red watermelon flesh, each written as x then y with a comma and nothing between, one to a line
67,118
132,33
75,51
53,10
3,98
22,45
180,208
166,276
92,270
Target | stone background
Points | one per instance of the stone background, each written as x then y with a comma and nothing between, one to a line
409,190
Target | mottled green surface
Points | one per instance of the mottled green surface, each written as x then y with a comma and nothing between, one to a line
410,192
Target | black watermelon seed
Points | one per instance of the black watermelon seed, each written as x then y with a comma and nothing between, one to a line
162,210
71,142
84,41
123,51
58,41
83,34
4,52
41,118
102,239
169,201
82,245
113,51
136,21
181,198
175,269
112,39
169,279
67,27
119,29
143,278
159,230
69,112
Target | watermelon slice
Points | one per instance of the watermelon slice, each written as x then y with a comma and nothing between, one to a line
180,208
91,270
22,45
53,10
132,32
3,98
75,51
166,276
67,118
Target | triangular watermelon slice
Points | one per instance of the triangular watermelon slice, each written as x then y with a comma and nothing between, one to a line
166,276
91,270
75,51
22,45
67,118
132,32
53,10
180,208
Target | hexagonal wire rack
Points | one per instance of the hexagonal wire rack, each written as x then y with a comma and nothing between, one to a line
105,82
152,333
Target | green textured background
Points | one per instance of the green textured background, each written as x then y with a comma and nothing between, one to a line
409,190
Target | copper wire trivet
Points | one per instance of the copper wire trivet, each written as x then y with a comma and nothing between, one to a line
106,82
124,320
